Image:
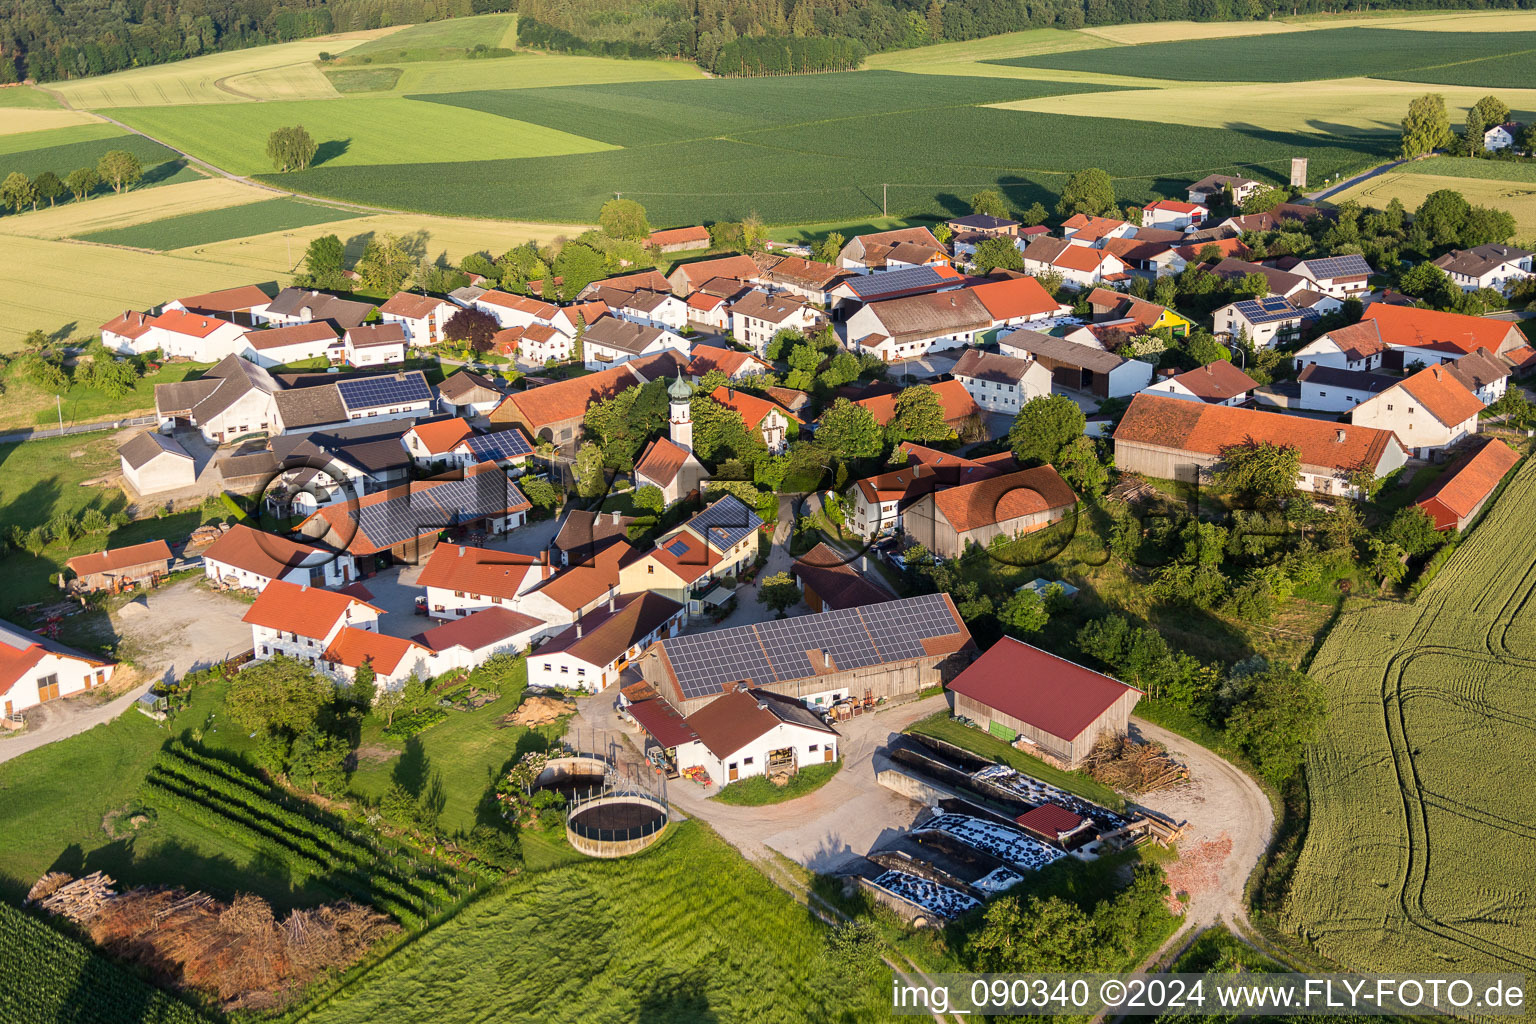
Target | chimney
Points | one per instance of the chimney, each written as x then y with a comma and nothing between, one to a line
578,629
863,563
730,393
616,516
613,604
1339,435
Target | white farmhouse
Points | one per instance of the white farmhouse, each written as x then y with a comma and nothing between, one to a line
1499,267
35,669
422,316
1001,383
1429,410
591,653
300,621
751,732
250,559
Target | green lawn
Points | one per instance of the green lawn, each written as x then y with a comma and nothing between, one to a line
461,757
82,404
436,40
758,791
350,132
220,225
687,932
348,80
941,726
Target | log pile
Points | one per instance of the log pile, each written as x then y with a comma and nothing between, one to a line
237,952
1133,767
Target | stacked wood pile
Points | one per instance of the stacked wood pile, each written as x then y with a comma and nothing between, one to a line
238,952
1133,767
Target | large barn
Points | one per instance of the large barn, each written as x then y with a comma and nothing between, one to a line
1058,707
865,653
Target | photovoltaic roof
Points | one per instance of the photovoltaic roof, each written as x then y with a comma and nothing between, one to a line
435,508
1352,265
777,650
503,444
889,281
1268,310
725,523
393,389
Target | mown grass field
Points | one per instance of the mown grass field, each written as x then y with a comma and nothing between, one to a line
350,132
27,405
219,225
1419,844
1314,54
48,138
1410,187
197,79
436,40
687,932
363,80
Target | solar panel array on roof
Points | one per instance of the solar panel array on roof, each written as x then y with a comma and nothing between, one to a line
892,281
1267,310
503,444
394,389
1353,265
777,650
678,548
726,523
445,504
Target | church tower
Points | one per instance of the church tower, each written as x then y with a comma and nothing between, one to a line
680,399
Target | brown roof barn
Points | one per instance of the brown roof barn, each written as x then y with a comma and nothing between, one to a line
946,521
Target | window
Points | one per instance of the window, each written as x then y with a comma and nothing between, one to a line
650,570
746,760
548,667
581,671
565,670
813,748
732,766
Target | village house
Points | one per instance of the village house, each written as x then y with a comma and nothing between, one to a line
1429,335
648,308
1294,214
122,333
948,520
1045,705
523,311
731,362
1113,308
1482,373
909,328
709,312
249,559
1219,383
300,622
1079,368
719,541
983,224
1209,188
230,399
469,394
855,291
678,239
118,569
644,280
1455,499
1015,301
612,341
554,412
1329,389
35,669
751,731
1336,276
243,305
374,345
583,534
466,643
422,317
891,250
877,502
304,305
810,280
757,316
690,277
534,345
759,414
1358,347
174,333
1080,266
579,588
1499,267
1502,136
1000,383
1429,410
1081,229
433,441
153,463
881,650
961,413
1266,322
1173,215
593,651
1170,439
460,579
392,659
1281,283
829,582
277,346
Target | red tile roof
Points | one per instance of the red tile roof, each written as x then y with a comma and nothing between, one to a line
485,572
1002,498
679,236
1467,484
536,308
307,611
1016,297
352,646
662,721
264,554
1054,695
660,462
227,300
296,334
130,324
1217,382
440,436
691,558
602,637
567,399
478,630
113,559
1358,341
410,305
1081,257
740,268
727,360
193,325
953,398
1442,395
1410,326
731,721
577,586
1050,820
753,409
1173,205
1198,427
1090,228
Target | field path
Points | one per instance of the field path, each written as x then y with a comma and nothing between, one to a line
1352,182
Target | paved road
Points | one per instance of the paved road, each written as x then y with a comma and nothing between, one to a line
1351,182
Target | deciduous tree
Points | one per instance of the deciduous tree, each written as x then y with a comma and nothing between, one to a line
291,148
473,327
849,431
325,264
48,187
80,182
779,592
385,264
120,169
918,417
17,191
995,252
1259,468
624,218
1044,427
1427,126
1088,191
989,202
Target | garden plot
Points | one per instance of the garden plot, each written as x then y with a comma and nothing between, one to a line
998,880
940,899
1036,792
1002,842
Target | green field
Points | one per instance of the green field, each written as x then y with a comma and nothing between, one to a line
161,165
51,978
1472,167
350,80
436,40
686,933
27,96
23,142
220,225
350,132
1419,846
1497,60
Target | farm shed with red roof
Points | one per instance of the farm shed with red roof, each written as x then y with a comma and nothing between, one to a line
1457,497
1058,707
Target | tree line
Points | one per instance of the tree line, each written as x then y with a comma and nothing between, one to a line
118,169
